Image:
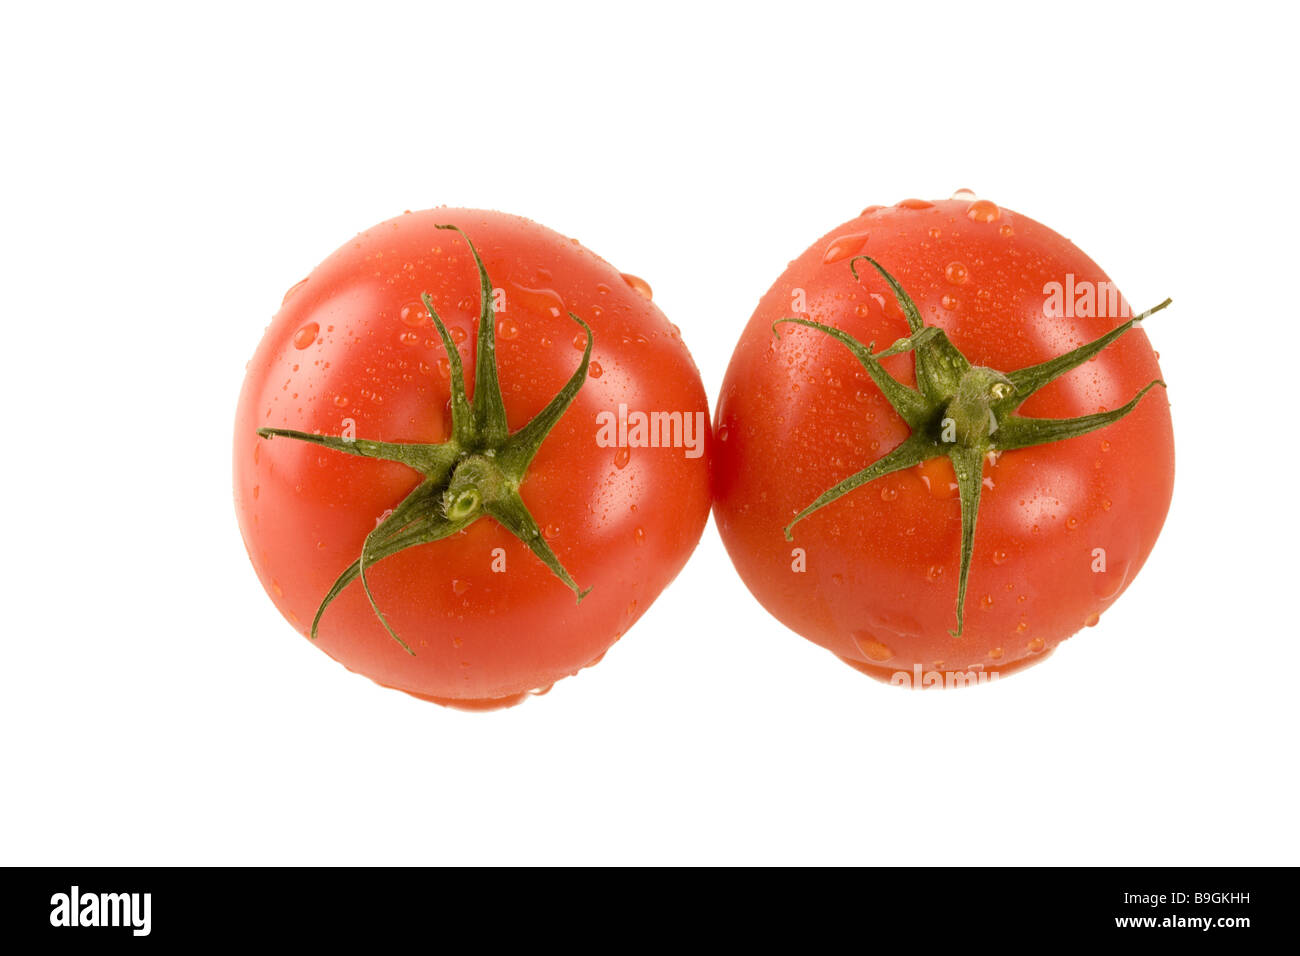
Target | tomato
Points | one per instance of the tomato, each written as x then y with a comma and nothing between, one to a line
968,537
507,536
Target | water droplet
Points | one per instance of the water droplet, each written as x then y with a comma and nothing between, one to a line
1091,620
458,586
956,273
622,457
341,401
986,601
915,204
934,572
306,335
870,209
594,370
844,247
723,433
638,284
551,531
938,477
888,493
409,337
414,314
639,535
871,648
999,557
1036,645
279,591
580,341
996,653
257,490
981,210
966,194
292,289
1005,230
507,329
1072,523
950,302
457,334
1106,505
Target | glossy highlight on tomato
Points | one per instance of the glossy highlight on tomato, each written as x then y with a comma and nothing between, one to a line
503,545
1015,500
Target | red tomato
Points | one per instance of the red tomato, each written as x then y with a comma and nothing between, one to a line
874,575
480,615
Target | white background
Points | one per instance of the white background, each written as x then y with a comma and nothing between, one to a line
168,173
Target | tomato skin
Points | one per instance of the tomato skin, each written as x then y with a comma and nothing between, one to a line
350,343
798,414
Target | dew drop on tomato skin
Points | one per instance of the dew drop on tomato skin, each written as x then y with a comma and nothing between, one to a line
306,335
956,273
1107,584
595,370
292,289
981,210
621,457
915,204
871,648
414,314
964,194
938,477
843,247
637,284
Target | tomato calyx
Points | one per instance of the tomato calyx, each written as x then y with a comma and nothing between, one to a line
476,472
960,411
